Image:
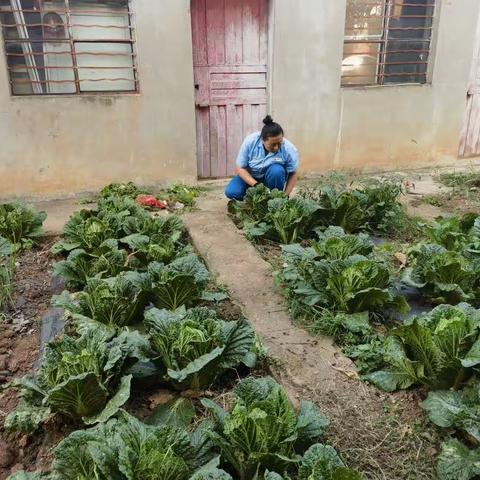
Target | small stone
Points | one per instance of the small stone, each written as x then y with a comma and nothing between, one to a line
6,456
431,451
7,333
5,343
3,362
23,442
16,468
3,379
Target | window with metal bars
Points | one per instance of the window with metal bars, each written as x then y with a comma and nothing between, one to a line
69,46
387,41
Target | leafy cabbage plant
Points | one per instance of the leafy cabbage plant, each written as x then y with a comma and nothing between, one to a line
20,223
369,208
88,229
128,189
81,378
80,266
438,349
155,239
193,347
458,462
116,301
287,220
334,244
459,409
345,209
124,448
263,432
254,207
351,285
274,216
442,275
452,233
182,282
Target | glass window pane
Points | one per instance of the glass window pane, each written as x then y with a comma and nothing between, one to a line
409,38
100,20
360,63
364,19
59,73
54,20
105,67
19,75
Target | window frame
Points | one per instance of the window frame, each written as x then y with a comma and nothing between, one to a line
383,39
70,41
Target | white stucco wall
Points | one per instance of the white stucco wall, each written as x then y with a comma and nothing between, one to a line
51,146
55,146
370,127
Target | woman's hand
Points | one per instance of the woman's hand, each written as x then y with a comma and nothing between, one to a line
246,177
291,182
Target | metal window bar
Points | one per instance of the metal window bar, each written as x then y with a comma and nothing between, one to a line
26,48
390,49
108,59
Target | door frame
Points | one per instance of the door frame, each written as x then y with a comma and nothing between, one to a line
474,68
270,25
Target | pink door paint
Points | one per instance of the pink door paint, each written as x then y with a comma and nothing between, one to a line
230,52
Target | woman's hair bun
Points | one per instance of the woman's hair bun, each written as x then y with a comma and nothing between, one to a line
268,120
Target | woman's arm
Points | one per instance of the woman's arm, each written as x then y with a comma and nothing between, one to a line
291,182
246,177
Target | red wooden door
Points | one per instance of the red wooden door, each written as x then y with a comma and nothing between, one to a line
230,51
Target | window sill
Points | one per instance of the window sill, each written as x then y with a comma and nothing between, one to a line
390,85
79,95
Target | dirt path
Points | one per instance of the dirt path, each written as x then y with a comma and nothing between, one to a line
376,433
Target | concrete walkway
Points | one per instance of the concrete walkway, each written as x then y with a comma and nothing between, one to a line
58,212
300,361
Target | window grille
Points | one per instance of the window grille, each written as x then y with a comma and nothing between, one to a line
387,41
69,46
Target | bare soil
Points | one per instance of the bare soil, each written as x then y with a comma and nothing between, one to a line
19,346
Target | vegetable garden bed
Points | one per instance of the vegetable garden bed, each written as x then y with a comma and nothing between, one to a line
139,385
339,283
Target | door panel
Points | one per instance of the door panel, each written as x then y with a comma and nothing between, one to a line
230,50
470,137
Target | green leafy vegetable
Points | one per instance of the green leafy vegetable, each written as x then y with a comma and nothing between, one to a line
456,409
442,275
129,190
89,229
321,462
80,266
272,215
352,285
194,346
458,462
182,282
335,244
117,301
81,378
26,418
437,350
126,449
263,431
19,223
185,194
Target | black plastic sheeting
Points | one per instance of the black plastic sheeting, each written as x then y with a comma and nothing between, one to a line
53,321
